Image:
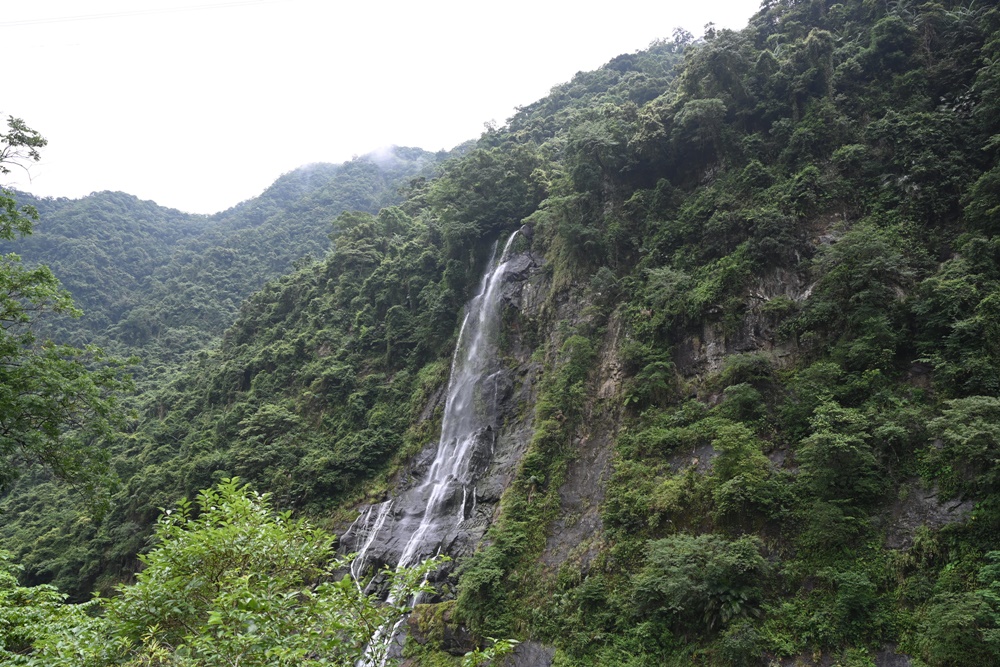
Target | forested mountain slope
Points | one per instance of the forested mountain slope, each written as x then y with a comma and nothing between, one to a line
159,282
163,285
103,248
752,408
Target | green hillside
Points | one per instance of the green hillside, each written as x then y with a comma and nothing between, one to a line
160,283
751,358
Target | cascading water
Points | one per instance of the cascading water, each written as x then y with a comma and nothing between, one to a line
426,515
468,415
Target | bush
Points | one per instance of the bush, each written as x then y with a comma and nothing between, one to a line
966,446
700,583
233,583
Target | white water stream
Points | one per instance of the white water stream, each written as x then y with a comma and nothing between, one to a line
466,422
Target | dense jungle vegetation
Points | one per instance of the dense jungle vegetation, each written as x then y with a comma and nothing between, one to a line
820,192
163,284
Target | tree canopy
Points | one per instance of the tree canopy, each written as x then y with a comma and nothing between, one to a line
58,404
231,581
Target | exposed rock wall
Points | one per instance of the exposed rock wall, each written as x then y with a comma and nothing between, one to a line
499,447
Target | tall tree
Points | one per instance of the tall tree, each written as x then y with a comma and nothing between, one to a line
57,403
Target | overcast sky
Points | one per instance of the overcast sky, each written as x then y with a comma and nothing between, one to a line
201,104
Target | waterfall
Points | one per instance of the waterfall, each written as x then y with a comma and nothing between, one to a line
466,416
358,564
428,513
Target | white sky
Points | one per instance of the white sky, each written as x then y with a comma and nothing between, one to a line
201,104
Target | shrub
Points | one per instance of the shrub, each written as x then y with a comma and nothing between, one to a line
700,583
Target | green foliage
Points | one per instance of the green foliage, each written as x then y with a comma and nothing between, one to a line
745,487
496,580
836,463
958,627
58,404
165,283
697,131
654,384
786,237
863,278
966,441
487,191
234,583
841,607
18,145
701,582
497,648
37,627
952,631
956,306
239,582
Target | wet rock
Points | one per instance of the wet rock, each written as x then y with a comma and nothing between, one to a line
921,507
496,428
779,457
530,654
806,661
699,458
920,375
704,351
889,658
436,401
435,624
519,270
577,532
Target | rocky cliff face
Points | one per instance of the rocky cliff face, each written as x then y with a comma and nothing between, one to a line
505,398
538,316
535,317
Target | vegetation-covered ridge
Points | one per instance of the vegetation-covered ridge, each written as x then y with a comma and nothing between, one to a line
163,283
768,301
793,251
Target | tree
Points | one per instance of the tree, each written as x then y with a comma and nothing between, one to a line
57,403
230,581
700,582
19,145
239,583
965,448
37,627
